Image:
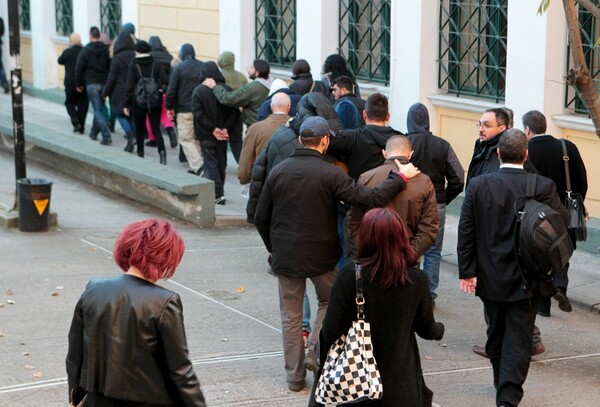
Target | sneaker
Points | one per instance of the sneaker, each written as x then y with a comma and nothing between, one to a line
563,302
310,361
220,200
537,348
93,137
106,142
199,172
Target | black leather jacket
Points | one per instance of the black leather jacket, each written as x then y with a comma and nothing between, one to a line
127,341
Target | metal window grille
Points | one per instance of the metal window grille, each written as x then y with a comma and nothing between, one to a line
24,15
590,31
64,17
276,32
110,17
364,38
472,48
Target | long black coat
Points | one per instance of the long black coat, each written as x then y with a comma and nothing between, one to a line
68,58
395,315
124,53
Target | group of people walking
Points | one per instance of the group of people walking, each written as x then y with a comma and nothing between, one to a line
331,186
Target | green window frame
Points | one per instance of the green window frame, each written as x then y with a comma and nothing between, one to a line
64,17
590,31
472,48
24,15
110,17
275,32
364,38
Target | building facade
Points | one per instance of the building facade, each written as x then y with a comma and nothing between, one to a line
457,57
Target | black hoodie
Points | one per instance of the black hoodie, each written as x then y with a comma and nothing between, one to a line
93,64
124,52
434,156
208,112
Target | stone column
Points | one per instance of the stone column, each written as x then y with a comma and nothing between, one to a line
43,53
236,31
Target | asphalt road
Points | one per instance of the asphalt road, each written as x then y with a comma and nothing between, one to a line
231,313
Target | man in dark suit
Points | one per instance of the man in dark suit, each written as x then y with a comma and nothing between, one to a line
546,154
76,102
488,264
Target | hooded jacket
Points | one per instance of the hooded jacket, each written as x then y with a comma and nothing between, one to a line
124,53
160,54
234,79
148,67
265,110
249,97
284,142
184,79
93,64
434,156
208,112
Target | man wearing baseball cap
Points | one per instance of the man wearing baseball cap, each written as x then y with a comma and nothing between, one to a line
296,217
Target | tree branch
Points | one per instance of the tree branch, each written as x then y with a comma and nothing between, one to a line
591,7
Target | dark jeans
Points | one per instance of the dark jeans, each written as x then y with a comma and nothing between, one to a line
509,334
139,119
215,162
94,92
236,141
77,104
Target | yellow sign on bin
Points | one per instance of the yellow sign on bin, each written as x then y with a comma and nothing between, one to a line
41,204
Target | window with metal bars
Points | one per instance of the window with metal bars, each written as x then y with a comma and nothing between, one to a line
364,38
110,17
276,32
590,31
64,17
472,48
24,15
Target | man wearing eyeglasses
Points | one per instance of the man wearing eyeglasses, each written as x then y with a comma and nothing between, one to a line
485,157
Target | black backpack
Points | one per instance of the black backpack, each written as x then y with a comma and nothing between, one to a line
146,90
542,243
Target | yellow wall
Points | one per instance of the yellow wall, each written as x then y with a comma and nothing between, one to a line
458,127
26,60
183,21
61,68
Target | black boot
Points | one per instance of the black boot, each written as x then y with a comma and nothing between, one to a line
140,154
130,143
163,157
172,136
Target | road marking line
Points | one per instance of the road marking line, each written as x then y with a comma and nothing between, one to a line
96,246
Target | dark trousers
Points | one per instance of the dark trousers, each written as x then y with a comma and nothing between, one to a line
215,163
99,399
510,325
77,104
236,141
139,120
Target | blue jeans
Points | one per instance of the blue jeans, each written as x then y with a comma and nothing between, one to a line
433,255
94,91
306,313
127,125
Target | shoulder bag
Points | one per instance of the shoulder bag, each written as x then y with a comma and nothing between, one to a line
574,204
350,373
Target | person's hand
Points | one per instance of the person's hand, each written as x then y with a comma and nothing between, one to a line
171,114
409,170
468,285
126,111
220,134
210,82
79,89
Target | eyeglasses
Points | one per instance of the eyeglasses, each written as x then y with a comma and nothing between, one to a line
485,125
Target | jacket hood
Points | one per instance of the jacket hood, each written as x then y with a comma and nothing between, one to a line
187,52
156,44
417,119
226,60
124,42
97,47
315,104
211,70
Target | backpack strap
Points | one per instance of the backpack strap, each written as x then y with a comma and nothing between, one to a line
530,188
529,193
138,69
566,161
360,299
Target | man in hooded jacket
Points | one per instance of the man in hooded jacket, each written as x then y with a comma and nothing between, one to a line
435,157
184,79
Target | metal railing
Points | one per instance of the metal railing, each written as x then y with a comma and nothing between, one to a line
276,32
25,15
472,48
364,38
64,17
110,17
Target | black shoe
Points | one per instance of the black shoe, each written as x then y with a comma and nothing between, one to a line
150,143
220,200
106,142
199,172
543,311
563,302
172,136
182,157
6,88
129,147
163,157
77,128
94,137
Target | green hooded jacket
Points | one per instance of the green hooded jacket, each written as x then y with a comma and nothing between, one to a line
234,79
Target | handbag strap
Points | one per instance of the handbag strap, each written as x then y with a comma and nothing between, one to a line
360,299
566,161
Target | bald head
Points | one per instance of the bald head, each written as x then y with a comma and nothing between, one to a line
75,39
398,146
280,103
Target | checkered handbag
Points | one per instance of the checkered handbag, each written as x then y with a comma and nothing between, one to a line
350,373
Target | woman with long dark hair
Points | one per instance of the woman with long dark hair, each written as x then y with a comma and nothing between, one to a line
397,305
127,344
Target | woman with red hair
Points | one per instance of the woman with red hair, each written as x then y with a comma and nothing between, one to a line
397,305
127,344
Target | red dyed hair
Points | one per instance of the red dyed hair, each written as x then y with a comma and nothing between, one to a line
151,245
384,247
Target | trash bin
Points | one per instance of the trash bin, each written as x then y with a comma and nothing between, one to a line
34,204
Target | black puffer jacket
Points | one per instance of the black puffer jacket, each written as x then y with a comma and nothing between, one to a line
124,52
93,64
284,141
